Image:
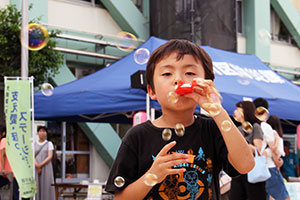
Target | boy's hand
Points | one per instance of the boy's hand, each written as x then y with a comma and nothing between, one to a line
163,163
205,93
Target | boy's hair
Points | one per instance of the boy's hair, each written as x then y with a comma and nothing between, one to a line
181,47
42,127
249,110
261,102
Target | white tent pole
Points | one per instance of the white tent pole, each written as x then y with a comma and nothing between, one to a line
152,116
148,106
33,135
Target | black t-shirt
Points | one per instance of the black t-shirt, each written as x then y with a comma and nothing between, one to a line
200,180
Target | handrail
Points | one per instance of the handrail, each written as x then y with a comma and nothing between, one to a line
89,40
85,53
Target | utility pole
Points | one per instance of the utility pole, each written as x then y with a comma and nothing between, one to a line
24,40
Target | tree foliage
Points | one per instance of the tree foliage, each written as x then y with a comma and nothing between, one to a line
41,64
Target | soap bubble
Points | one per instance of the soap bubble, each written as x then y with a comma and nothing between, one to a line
214,96
38,37
247,127
226,125
47,89
126,41
244,80
173,97
166,134
150,179
141,56
179,130
214,109
119,181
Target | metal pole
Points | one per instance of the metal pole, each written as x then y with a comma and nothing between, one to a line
33,135
148,106
24,38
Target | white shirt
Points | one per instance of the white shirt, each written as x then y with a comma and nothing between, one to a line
50,145
268,134
269,137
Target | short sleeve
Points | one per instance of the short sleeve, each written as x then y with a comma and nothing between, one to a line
125,167
50,146
257,132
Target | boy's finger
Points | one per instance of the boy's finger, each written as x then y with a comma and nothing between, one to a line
175,156
176,171
166,148
173,163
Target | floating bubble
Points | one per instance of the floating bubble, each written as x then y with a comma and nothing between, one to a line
247,127
119,181
47,89
166,134
141,56
264,36
261,113
226,125
244,80
214,109
215,96
172,97
126,41
261,110
179,130
150,179
38,37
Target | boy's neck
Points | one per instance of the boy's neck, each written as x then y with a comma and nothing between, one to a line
170,120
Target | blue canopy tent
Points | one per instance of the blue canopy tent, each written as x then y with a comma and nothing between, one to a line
107,96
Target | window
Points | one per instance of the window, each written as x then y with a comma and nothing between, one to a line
239,16
279,32
73,159
96,3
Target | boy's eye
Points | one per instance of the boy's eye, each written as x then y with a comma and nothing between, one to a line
190,73
166,74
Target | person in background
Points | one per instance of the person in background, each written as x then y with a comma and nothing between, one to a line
262,114
250,128
290,162
4,181
275,186
5,167
44,169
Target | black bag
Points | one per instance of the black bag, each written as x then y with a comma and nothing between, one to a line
3,181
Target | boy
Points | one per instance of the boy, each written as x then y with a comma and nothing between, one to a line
144,152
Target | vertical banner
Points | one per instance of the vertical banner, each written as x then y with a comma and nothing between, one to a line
18,143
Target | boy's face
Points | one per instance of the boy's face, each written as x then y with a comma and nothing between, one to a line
168,72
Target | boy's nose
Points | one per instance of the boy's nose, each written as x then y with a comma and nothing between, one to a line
175,82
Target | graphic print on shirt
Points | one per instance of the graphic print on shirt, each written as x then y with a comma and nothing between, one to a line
194,183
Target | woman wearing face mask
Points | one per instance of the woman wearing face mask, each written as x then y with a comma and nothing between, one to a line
250,128
44,170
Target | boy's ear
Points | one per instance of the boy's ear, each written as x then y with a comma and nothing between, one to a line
151,93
